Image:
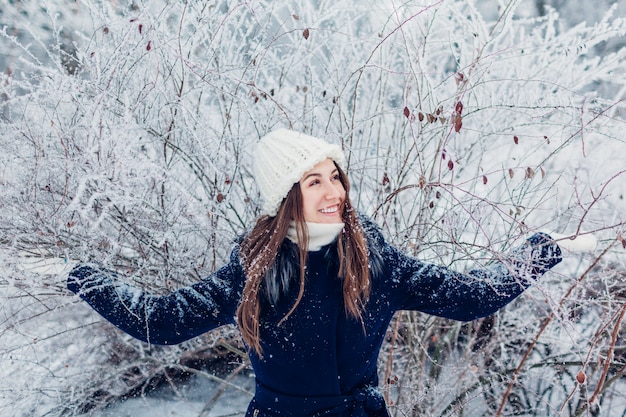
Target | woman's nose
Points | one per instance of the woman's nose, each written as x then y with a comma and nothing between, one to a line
331,191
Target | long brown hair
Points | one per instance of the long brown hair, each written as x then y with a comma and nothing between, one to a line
260,247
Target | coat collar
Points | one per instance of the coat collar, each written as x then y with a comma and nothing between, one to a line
286,267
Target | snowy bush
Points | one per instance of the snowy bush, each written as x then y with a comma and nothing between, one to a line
127,135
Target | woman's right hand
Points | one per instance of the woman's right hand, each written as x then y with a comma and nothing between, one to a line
44,263
77,276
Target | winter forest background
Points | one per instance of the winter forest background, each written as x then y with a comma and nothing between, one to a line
126,135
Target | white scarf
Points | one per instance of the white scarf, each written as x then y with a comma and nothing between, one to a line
320,234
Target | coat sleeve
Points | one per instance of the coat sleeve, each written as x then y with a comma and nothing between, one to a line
163,320
443,292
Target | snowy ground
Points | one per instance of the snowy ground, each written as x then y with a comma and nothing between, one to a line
192,399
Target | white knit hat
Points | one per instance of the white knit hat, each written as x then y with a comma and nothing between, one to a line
280,160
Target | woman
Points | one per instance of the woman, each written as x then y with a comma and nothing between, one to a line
312,288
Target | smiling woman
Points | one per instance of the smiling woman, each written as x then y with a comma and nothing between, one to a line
322,193
312,288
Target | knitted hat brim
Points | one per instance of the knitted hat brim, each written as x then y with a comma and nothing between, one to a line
284,185
282,157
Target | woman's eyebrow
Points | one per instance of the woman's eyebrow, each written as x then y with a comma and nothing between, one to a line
313,174
317,174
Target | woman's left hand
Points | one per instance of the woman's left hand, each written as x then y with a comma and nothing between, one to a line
583,242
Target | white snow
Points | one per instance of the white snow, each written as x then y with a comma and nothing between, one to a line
140,160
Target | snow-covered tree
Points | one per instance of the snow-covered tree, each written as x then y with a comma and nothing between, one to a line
127,134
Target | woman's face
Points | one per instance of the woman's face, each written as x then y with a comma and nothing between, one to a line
322,193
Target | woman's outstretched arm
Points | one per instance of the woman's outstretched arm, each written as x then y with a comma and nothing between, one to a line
169,319
443,292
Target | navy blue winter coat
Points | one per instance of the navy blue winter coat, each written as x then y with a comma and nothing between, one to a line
319,362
